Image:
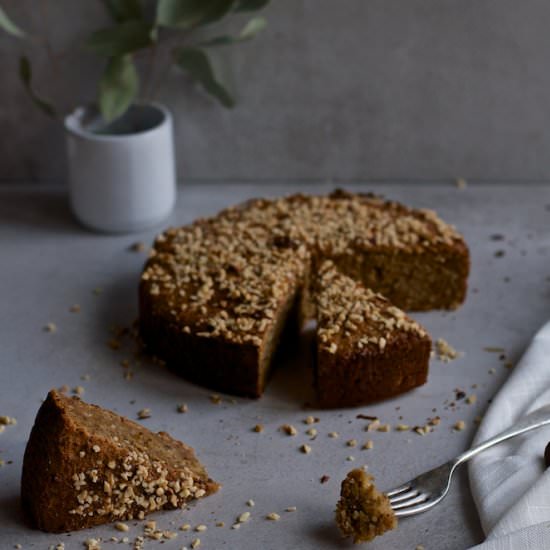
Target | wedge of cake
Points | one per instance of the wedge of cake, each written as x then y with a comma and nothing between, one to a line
363,512
217,297
85,465
366,348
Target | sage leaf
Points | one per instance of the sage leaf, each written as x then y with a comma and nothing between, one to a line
124,38
25,74
199,67
118,87
124,10
186,14
250,5
9,26
249,31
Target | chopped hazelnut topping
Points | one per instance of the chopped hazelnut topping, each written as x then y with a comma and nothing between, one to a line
445,352
96,448
459,426
244,517
289,429
144,413
119,526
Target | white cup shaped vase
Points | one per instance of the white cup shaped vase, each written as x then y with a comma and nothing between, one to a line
122,175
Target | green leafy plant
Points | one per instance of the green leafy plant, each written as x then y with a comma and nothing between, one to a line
161,26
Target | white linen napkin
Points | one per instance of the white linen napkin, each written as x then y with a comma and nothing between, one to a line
509,483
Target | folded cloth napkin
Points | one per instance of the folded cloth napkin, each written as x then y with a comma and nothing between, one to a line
509,482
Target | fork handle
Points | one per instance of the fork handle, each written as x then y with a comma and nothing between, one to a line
534,420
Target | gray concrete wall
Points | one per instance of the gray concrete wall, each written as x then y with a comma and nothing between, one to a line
350,89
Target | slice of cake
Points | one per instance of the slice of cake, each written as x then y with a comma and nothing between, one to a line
217,297
366,348
85,465
363,512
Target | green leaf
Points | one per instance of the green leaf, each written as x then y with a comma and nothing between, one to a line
9,26
118,87
186,14
250,5
125,38
249,31
25,74
198,65
124,10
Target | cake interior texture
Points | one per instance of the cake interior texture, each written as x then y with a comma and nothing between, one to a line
363,512
216,295
85,465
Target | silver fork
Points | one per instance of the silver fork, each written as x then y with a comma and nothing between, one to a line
428,489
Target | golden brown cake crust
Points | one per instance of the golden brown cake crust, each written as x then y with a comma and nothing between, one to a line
216,295
77,474
363,512
366,348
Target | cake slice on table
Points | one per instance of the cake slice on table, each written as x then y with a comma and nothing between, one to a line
85,466
363,512
367,349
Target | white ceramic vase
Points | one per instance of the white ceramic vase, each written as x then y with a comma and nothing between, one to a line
122,175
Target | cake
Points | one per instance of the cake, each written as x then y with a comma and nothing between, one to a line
363,512
366,348
217,296
84,466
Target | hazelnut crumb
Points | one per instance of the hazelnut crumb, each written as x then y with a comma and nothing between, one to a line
324,478
78,390
368,445
144,413
236,526
182,408
244,517
334,435
119,526
459,426
291,509
372,426
289,429
471,399
384,428
272,516
312,432
195,543
492,371
50,327
96,448
75,308
258,428
137,247
184,527
201,528
351,443
306,449
350,458
250,503
311,420
220,524
215,399
402,428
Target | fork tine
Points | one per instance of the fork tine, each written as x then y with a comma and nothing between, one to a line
401,489
404,496
413,510
419,499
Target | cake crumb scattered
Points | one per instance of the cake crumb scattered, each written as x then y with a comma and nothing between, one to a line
373,426
402,428
334,435
291,509
201,528
369,444
459,426
324,478
384,428
306,449
137,247
195,543
7,421
258,428
273,516
220,524
182,408
119,526
215,399
96,448
312,432
471,399
445,352
311,420
461,183
250,503
75,308
78,390
350,458
351,443
185,527
492,371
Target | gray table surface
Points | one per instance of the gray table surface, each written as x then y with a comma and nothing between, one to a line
50,263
